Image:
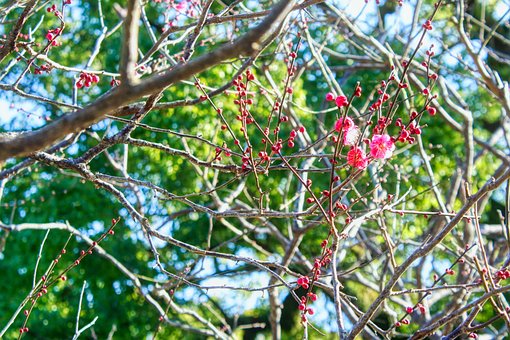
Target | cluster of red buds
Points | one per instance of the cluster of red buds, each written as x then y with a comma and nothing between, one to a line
47,280
357,91
87,79
405,133
413,129
428,25
503,274
324,262
291,61
244,98
246,158
293,135
52,35
382,123
277,147
53,9
302,306
340,206
409,310
402,322
384,96
448,271
264,157
43,68
431,110
218,151
340,101
304,282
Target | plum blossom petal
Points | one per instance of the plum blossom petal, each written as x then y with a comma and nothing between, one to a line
351,136
381,146
351,132
341,101
357,158
344,124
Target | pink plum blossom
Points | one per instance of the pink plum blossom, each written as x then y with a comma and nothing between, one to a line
344,124
381,146
350,130
357,158
351,135
341,101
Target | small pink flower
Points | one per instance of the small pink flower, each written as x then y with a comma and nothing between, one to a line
344,124
330,97
357,158
350,130
351,136
341,101
381,146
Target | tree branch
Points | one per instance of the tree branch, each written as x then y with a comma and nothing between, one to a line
247,45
